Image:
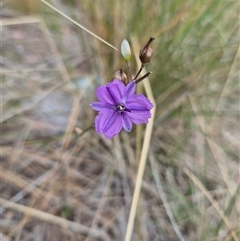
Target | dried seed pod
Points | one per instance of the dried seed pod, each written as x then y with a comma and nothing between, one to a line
121,76
146,53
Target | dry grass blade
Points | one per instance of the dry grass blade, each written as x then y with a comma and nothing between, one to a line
61,180
26,187
144,153
173,22
49,218
234,69
72,122
164,199
55,52
20,20
213,202
217,152
79,25
102,202
31,105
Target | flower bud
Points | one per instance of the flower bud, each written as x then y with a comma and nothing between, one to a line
146,53
125,50
121,76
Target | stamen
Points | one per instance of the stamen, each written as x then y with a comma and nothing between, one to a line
126,109
120,108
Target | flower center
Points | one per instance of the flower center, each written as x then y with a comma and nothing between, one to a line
121,108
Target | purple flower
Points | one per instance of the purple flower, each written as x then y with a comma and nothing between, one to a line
119,107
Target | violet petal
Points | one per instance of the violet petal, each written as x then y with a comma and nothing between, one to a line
138,102
115,128
99,106
108,123
112,92
127,123
130,89
139,117
104,96
121,86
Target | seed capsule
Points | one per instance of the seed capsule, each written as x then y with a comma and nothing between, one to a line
121,76
146,53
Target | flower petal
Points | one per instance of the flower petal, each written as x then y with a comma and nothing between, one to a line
108,123
139,117
99,106
138,102
114,129
140,107
120,85
127,123
130,89
111,93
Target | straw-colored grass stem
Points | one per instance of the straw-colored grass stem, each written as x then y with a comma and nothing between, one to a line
144,153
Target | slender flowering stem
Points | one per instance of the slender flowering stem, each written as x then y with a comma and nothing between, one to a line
143,158
139,71
129,70
143,77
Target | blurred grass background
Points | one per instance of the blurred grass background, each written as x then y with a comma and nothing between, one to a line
53,161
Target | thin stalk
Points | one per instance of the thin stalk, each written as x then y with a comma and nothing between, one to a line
129,70
143,77
139,130
79,25
139,71
143,159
